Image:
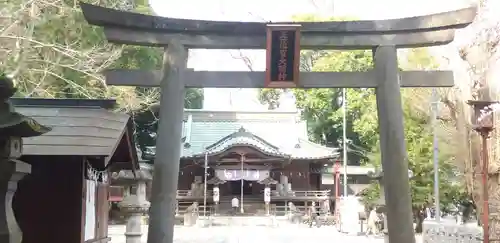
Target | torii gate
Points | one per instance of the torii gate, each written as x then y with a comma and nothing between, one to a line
179,35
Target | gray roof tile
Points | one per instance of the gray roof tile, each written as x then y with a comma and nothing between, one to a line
273,132
75,130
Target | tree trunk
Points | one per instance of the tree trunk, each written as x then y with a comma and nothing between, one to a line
494,208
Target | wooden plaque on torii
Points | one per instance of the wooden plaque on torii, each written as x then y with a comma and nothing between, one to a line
282,56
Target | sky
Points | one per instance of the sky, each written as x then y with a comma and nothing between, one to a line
277,10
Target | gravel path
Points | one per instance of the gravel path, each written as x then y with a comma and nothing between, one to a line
250,234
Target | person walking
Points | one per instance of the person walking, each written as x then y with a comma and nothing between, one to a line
235,204
371,227
313,215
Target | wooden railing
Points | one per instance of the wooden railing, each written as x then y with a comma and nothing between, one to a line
284,210
182,193
187,193
310,194
318,194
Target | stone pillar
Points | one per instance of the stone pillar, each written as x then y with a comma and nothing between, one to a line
283,179
279,189
135,206
392,146
283,185
166,169
288,188
11,172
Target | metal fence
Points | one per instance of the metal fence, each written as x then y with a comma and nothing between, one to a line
451,231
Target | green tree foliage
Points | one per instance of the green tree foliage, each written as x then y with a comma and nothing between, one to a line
52,52
419,139
321,107
324,116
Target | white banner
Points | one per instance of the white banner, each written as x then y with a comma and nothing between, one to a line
236,175
216,194
90,210
327,179
267,194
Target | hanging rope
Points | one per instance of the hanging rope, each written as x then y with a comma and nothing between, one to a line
100,176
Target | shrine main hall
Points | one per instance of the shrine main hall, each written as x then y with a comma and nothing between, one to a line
247,151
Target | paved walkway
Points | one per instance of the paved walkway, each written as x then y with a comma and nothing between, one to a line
252,234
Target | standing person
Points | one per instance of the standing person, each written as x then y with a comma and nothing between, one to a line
235,203
313,215
294,214
371,227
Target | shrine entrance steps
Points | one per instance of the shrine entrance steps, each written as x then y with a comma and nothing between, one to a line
253,205
266,221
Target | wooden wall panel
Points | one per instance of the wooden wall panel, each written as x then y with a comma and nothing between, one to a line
102,212
48,202
297,173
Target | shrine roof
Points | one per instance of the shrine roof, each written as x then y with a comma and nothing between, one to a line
244,138
275,133
79,127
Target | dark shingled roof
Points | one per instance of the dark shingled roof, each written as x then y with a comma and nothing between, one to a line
79,127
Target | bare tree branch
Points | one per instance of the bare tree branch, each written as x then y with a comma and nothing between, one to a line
48,59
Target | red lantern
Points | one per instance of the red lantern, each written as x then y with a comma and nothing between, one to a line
336,167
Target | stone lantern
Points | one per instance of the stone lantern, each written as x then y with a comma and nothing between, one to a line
483,116
134,204
378,175
13,127
483,121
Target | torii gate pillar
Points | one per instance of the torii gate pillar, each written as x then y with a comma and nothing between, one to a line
383,36
392,146
168,143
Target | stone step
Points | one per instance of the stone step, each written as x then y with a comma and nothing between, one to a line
245,204
252,205
242,221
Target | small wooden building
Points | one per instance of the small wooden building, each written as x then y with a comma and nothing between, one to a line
65,198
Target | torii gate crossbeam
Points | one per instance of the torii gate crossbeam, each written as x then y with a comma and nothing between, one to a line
179,35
